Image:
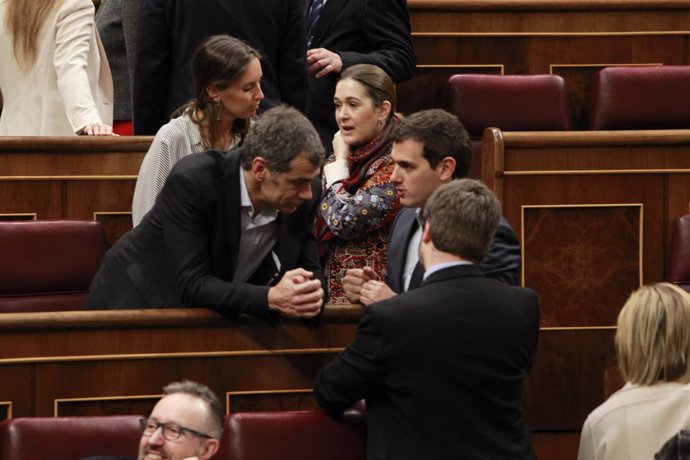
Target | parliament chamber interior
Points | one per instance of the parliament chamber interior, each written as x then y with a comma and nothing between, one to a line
580,124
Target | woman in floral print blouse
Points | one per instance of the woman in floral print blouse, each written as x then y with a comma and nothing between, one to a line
359,203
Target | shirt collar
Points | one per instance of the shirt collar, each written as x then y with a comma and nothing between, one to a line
266,215
440,266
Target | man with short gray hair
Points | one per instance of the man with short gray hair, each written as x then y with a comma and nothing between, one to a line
441,367
229,231
186,424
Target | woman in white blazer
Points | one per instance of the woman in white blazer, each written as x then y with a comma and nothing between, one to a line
653,347
54,75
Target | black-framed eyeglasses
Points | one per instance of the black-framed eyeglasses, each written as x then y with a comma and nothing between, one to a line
170,431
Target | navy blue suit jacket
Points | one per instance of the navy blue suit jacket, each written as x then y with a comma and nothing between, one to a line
502,261
361,32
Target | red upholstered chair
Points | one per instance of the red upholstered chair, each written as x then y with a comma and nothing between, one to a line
653,97
69,438
508,102
679,255
48,265
295,435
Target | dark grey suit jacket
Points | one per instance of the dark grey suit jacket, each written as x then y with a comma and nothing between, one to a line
441,369
361,32
171,30
502,261
184,252
116,21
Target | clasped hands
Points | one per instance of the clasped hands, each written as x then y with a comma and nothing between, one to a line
362,285
296,295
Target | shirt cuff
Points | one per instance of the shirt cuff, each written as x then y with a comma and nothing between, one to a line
335,171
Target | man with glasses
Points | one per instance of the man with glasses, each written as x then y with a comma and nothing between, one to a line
187,423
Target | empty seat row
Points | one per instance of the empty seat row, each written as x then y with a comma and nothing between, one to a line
289,435
650,97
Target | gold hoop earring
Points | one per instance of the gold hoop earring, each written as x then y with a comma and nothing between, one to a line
217,109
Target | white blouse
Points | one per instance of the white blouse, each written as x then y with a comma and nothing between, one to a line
635,422
174,140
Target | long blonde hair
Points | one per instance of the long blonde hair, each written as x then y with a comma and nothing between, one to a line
24,21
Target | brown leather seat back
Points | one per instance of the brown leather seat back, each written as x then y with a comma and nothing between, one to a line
508,102
295,435
678,271
48,265
69,438
652,97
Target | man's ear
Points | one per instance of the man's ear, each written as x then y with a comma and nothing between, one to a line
447,168
426,233
209,449
259,168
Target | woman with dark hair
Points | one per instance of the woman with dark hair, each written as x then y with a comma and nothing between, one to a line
653,348
226,74
359,202
54,76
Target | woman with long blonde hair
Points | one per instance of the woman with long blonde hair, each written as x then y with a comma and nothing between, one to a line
54,76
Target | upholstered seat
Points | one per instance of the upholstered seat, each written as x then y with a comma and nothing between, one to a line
508,102
678,270
69,438
295,435
48,265
652,97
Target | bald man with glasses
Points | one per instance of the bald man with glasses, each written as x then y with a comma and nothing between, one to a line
186,424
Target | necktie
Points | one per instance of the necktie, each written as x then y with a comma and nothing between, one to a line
313,19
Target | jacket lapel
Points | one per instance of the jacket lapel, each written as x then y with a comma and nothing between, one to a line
397,247
229,186
328,14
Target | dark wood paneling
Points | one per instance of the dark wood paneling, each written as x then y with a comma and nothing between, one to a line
42,198
556,445
568,378
563,250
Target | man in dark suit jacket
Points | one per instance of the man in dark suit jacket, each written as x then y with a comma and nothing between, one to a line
430,148
171,30
441,367
116,21
350,32
225,228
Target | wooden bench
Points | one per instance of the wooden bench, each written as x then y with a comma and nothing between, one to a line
592,211
71,178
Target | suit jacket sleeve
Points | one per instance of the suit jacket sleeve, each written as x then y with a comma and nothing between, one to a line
153,64
356,372
130,18
503,260
75,28
185,229
387,28
292,70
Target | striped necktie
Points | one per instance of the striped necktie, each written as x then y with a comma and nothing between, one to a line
314,14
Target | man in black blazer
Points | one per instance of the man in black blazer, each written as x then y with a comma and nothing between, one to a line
430,148
441,367
350,32
225,229
171,30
